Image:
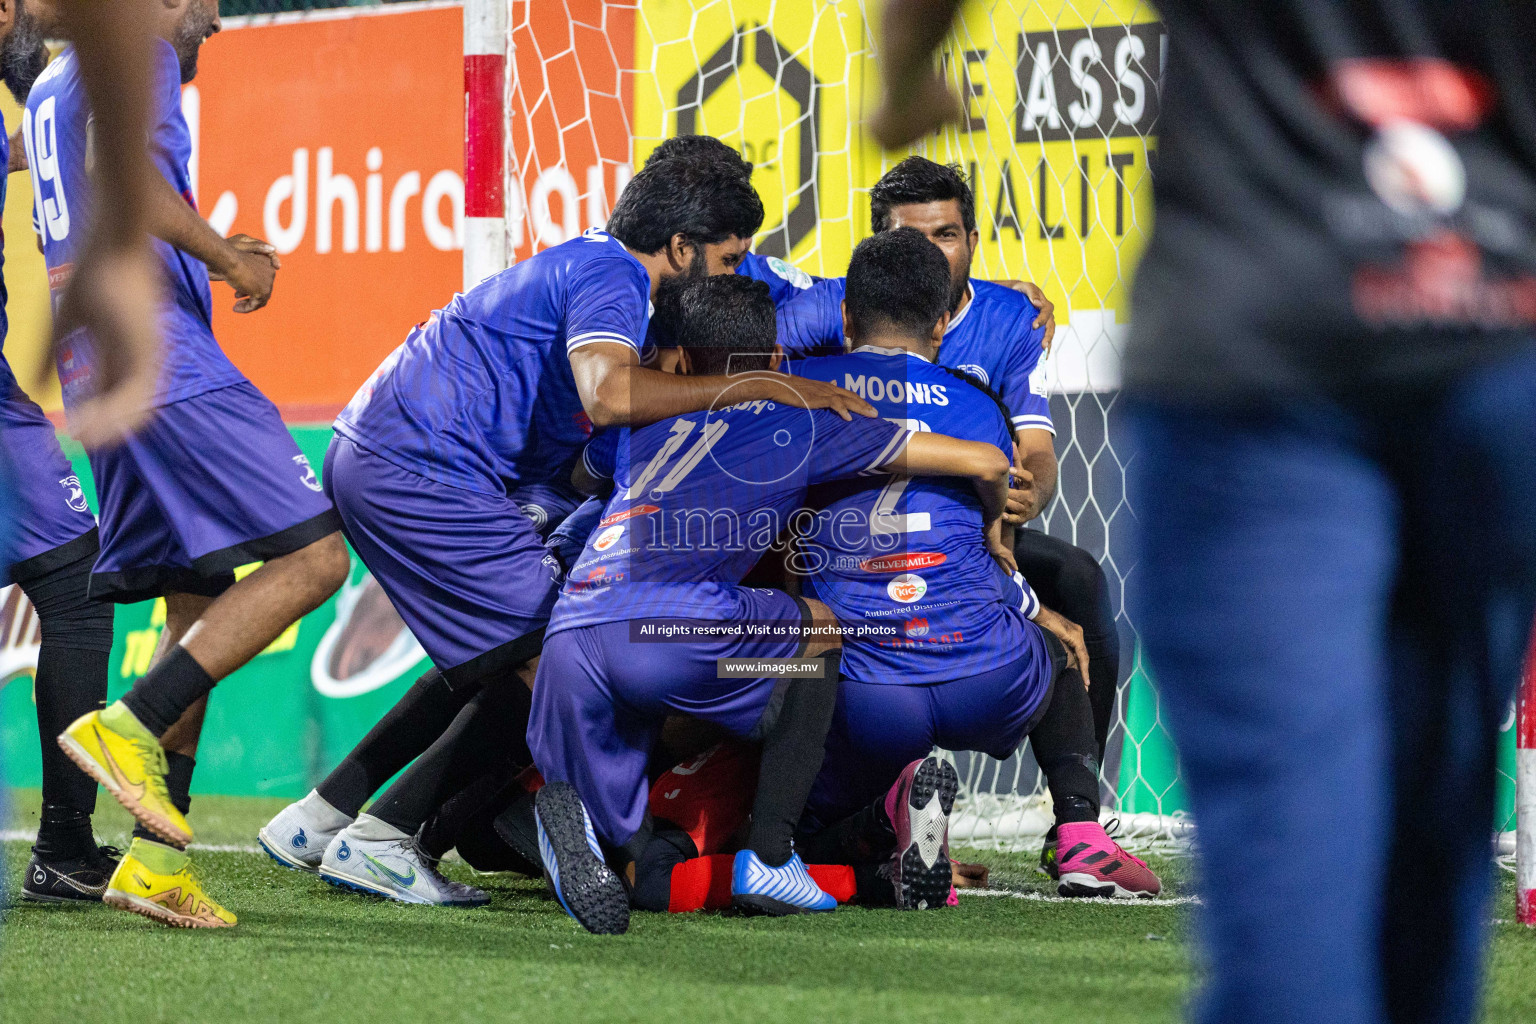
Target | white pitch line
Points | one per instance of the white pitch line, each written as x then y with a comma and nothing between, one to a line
18,836
1159,901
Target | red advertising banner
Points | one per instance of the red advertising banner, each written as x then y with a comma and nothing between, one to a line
339,138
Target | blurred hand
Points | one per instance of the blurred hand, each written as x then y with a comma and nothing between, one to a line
114,293
924,105
1071,636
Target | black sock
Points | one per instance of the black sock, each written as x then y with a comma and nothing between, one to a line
866,835
489,735
485,797
792,752
64,833
407,729
1103,684
71,681
178,780
168,690
1063,743
1070,581
668,848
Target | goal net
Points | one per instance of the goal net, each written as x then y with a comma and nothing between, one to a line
1059,140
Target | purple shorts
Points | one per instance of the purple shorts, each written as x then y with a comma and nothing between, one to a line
546,506
879,728
51,524
211,483
465,570
601,697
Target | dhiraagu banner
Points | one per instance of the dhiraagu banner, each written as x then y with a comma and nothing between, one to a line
275,727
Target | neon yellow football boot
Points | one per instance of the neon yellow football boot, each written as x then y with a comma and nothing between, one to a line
115,749
158,882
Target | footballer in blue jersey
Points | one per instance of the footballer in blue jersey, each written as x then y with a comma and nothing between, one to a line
495,393
965,668
655,602
213,480
995,333
999,346
52,546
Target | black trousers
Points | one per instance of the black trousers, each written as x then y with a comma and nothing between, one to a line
1070,581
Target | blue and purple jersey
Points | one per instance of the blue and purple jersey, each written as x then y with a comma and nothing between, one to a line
785,281
481,396
909,552
44,494
992,339
56,130
698,499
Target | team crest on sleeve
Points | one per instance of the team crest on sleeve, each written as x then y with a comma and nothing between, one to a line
972,370
1037,382
74,493
794,275
307,476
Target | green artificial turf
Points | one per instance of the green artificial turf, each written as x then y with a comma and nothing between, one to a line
304,951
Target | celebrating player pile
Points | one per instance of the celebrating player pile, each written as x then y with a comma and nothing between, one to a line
784,585
634,604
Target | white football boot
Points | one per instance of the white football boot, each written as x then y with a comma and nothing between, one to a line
374,857
298,836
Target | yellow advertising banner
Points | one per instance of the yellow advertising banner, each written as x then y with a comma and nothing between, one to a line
1058,136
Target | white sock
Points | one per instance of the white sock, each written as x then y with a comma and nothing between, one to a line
373,829
325,817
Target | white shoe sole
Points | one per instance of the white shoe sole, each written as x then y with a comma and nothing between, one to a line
1078,883
276,851
370,887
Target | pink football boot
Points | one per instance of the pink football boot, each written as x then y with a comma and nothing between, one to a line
1092,864
918,806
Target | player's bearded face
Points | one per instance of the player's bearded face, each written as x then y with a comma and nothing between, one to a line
944,226
23,54
199,21
669,312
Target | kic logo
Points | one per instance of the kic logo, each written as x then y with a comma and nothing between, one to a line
907,588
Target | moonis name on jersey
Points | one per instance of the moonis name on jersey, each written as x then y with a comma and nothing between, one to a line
992,339
911,551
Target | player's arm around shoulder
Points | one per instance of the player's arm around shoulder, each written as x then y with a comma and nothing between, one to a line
930,454
616,390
